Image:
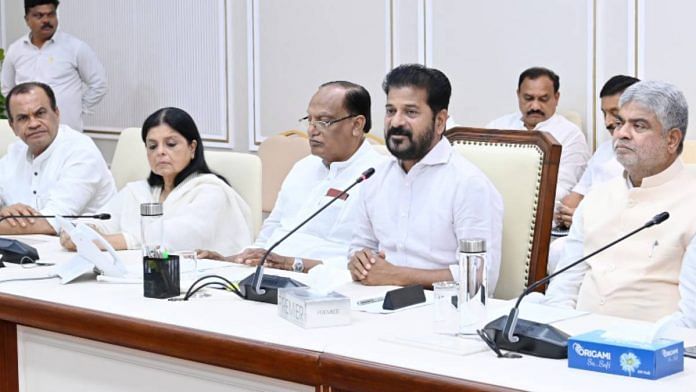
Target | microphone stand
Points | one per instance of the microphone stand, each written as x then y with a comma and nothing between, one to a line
532,332
251,286
95,216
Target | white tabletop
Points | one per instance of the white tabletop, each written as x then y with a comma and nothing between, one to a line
391,339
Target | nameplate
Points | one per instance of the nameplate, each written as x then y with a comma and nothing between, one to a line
304,307
332,192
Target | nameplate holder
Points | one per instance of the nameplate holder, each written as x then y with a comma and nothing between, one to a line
403,297
308,309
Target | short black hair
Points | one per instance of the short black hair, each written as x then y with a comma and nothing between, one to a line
25,88
617,84
435,83
29,4
181,122
537,72
356,101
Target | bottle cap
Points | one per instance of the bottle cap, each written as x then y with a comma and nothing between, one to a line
472,245
150,209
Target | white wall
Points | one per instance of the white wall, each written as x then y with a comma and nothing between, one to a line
272,54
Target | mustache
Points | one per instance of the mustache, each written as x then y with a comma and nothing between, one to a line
535,111
618,144
47,24
399,131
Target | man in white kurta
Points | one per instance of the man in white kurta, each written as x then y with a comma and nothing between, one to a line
52,170
336,126
58,59
419,204
538,95
652,274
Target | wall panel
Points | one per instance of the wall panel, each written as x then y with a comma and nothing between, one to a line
666,46
300,44
483,47
167,53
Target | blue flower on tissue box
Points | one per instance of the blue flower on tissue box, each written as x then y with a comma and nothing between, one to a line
591,351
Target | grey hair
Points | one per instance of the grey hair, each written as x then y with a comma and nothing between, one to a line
665,100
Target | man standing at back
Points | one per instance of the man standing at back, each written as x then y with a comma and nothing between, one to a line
52,170
419,204
538,95
57,59
338,117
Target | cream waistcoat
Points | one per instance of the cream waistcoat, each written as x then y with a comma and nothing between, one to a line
639,277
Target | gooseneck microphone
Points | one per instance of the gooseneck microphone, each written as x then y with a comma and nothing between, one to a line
95,216
544,340
257,287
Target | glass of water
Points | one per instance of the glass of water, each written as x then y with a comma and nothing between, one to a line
446,320
188,261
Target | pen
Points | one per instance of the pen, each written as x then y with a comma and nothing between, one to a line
370,301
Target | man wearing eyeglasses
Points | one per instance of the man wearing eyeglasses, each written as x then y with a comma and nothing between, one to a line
65,63
338,117
418,205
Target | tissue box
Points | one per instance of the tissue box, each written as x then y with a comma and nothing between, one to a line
590,351
308,309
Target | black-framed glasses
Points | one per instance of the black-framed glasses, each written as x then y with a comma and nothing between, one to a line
494,346
323,125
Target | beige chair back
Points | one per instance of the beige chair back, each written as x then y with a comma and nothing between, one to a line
130,158
278,154
688,155
523,167
7,136
243,172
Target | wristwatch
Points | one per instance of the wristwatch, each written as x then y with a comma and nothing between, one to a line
298,265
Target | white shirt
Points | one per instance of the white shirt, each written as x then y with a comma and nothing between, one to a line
574,154
307,188
66,64
601,167
202,212
69,178
417,218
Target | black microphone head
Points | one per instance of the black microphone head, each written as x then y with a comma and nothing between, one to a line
103,216
366,174
659,218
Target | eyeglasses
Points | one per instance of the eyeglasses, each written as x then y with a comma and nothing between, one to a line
323,125
494,346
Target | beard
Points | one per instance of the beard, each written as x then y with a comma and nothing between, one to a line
410,149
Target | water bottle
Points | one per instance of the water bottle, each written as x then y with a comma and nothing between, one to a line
472,284
151,229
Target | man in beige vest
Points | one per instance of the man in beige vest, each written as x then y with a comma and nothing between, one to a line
652,274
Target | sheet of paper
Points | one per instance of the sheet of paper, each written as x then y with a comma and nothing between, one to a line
536,312
450,344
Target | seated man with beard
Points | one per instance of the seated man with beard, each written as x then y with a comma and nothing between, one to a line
418,205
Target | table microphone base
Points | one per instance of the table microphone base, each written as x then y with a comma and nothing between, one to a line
269,283
540,340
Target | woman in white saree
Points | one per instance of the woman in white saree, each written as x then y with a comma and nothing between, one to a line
200,210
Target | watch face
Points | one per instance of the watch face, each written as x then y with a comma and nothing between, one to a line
298,265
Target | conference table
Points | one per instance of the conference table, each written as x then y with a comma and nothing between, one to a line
98,336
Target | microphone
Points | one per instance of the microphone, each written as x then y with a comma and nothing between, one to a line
95,216
257,287
544,340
